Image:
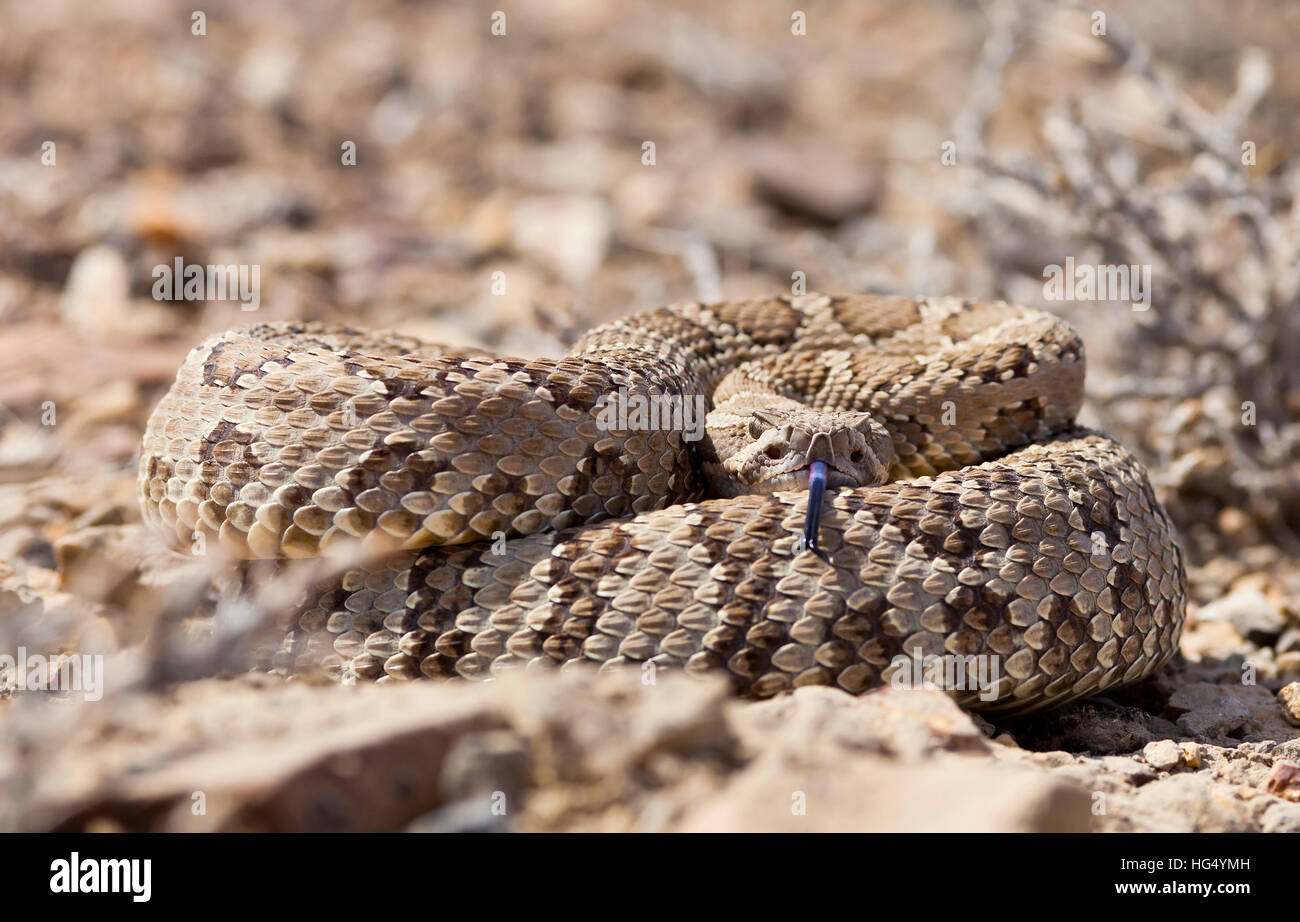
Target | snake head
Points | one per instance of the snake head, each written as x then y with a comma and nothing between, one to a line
780,445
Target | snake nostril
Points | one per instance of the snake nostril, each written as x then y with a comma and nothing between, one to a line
856,456
773,451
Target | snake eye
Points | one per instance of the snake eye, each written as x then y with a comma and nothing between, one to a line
755,427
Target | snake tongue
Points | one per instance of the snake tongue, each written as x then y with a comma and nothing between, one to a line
816,490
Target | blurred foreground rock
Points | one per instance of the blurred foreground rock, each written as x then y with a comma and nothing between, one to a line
584,752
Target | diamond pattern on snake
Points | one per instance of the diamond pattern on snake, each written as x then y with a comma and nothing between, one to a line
879,484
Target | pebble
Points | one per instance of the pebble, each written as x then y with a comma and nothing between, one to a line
1163,755
1284,781
96,296
569,233
813,181
1289,698
1253,614
1288,664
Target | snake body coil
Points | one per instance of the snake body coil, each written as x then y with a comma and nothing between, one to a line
965,518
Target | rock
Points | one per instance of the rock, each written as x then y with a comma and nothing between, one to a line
1288,641
1288,665
1211,640
1184,802
568,233
265,74
591,728
902,722
1255,616
890,760
1280,816
876,794
1163,755
264,756
488,227
1284,781
1127,769
1289,698
813,181
96,296
541,751
1228,712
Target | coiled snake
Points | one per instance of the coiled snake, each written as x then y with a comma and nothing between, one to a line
552,512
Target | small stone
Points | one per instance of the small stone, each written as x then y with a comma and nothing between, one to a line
1289,698
96,296
1162,755
1288,664
1233,711
1284,781
1255,616
1128,768
1289,641
810,180
570,234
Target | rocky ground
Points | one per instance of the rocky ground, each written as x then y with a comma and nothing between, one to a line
503,196
573,753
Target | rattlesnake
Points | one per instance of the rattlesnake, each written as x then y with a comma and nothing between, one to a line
512,523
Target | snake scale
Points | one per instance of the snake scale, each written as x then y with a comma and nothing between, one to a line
894,481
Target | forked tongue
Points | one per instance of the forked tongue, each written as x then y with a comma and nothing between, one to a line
816,490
